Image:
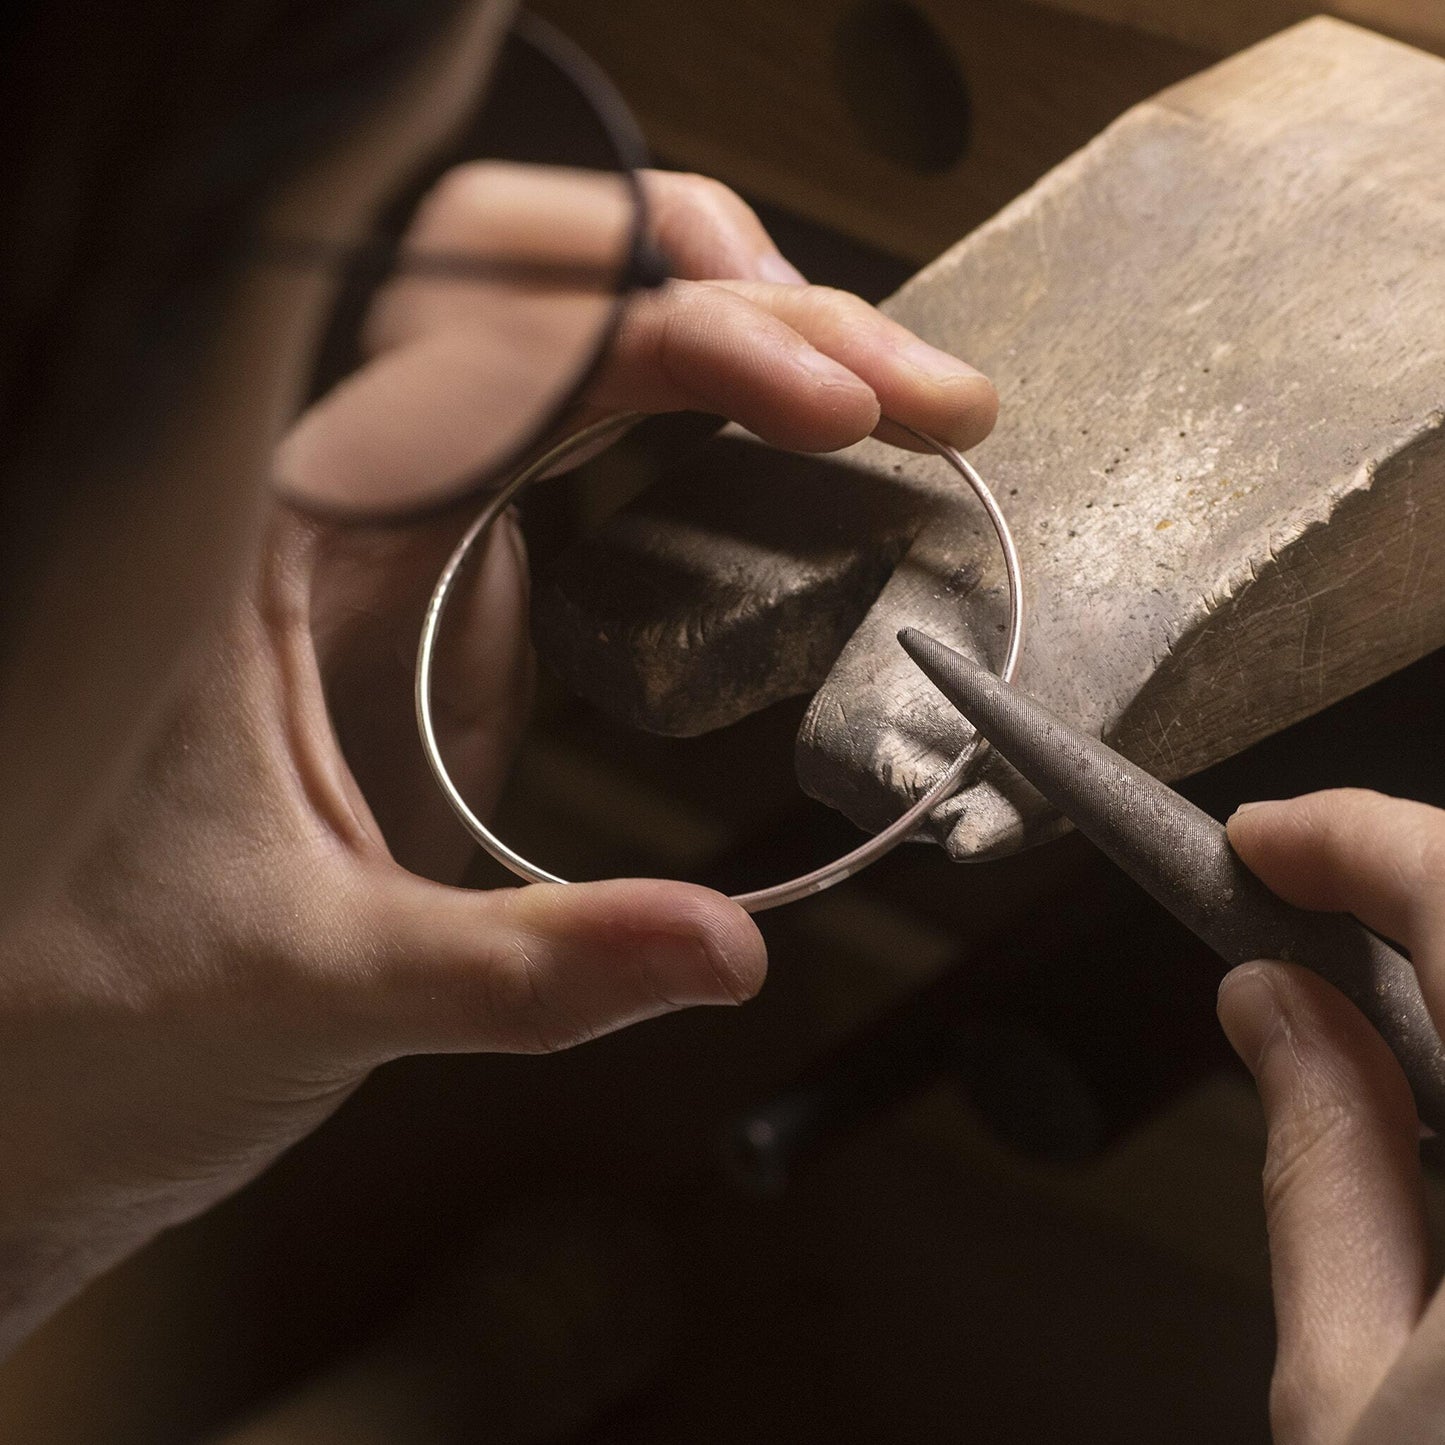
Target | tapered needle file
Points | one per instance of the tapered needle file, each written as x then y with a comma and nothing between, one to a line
1183,858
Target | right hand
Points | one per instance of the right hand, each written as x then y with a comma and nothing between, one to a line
1361,1353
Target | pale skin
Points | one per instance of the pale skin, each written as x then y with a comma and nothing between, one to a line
213,923
1361,1325
230,921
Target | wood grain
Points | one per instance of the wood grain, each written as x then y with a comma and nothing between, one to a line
1225,26
750,92
1219,336
755,94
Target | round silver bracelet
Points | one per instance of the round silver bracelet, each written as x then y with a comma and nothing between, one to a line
763,898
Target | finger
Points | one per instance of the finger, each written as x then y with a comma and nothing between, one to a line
1351,851
423,420
915,383
498,211
700,346
532,970
505,210
1348,1243
1410,1403
464,373
707,231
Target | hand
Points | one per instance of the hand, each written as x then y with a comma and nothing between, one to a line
241,948
1361,1340
738,334
249,938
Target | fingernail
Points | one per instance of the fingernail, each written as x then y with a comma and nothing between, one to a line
824,369
774,266
682,972
937,364
1248,1012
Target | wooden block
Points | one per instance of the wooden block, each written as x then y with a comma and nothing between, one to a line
840,110
1219,335
1225,26
810,104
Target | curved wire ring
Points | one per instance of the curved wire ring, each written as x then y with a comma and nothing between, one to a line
763,898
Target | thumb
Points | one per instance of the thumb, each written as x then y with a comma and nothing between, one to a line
1348,1246
540,968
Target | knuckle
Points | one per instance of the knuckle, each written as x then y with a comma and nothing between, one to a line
708,197
705,226
521,1002
408,991
1338,815
1303,1147
844,313
844,303
1345,827
1357,828
455,191
690,323
454,183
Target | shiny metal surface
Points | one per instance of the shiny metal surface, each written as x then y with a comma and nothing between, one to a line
759,900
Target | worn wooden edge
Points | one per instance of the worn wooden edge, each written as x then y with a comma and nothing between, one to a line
1178,636
1374,599
1003,814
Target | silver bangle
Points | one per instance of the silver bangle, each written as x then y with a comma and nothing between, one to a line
763,898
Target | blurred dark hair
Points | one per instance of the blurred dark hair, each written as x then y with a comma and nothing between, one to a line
140,140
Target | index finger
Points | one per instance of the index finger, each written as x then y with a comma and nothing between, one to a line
709,233
1354,851
915,382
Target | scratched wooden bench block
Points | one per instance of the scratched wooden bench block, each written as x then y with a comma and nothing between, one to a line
1219,335
906,123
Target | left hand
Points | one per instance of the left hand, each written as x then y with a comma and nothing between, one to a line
1361,1353
253,932
738,334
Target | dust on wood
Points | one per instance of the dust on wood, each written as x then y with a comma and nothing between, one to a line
1227,314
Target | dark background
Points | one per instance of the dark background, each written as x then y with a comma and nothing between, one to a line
1010,1191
